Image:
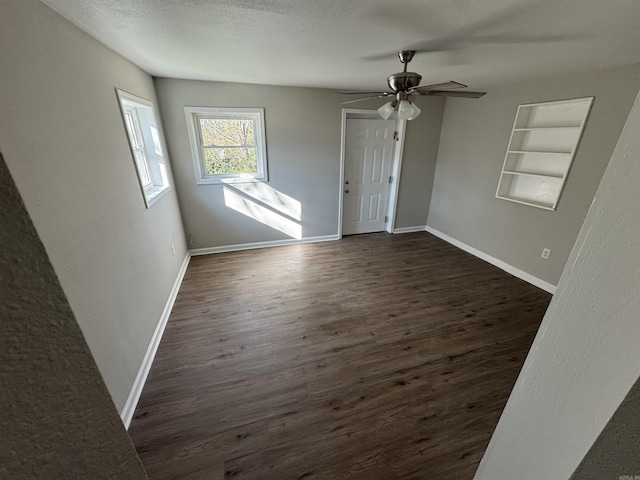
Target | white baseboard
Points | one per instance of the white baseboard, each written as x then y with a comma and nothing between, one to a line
273,243
516,272
417,228
134,395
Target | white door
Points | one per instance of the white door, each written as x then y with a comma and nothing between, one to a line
367,165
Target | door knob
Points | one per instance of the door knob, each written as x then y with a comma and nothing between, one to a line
346,190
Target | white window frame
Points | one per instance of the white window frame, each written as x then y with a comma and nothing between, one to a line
148,158
193,114
137,145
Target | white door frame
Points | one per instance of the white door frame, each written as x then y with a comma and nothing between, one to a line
396,163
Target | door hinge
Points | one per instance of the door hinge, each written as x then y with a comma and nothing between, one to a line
390,178
395,136
386,218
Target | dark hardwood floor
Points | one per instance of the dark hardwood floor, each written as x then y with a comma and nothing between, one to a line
375,357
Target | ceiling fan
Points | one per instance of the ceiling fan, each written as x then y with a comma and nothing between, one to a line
404,85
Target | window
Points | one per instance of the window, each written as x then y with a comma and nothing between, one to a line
146,146
228,144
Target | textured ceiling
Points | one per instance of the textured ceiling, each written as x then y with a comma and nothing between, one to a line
351,44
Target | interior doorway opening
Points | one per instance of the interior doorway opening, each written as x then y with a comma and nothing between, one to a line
370,166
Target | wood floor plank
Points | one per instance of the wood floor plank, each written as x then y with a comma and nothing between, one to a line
374,357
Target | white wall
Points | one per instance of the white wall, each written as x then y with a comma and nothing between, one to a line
585,357
303,128
474,139
64,142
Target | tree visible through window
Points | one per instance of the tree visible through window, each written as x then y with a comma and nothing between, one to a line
228,144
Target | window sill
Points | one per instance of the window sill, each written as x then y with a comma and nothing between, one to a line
153,194
231,180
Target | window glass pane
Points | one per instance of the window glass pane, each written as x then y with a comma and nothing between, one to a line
228,144
143,167
220,161
132,129
227,131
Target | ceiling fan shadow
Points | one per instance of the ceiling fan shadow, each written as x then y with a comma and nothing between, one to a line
476,34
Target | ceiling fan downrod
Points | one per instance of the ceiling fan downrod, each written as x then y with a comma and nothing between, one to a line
405,57
404,80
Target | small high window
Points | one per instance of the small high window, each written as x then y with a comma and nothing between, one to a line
228,144
146,146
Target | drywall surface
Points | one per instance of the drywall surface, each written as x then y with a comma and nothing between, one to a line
474,140
615,453
303,128
57,418
64,142
420,153
585,357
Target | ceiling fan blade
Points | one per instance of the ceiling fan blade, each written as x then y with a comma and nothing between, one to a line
446,93
363,98
366,93
439,86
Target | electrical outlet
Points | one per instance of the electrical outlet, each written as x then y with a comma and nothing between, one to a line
545,253
173,250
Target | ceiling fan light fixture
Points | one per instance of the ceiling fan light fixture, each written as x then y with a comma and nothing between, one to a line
416,112
386,110
407,110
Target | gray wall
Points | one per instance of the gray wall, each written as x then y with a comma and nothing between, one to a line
419,163
616,451
472,148
303,129
57,418
64,142
585,357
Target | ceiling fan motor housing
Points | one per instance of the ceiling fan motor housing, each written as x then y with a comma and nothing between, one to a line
404,81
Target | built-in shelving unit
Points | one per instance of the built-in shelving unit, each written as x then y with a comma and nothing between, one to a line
543,142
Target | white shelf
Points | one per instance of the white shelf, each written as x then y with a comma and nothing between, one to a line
531,174
531,129
543,143
523,201
529,152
